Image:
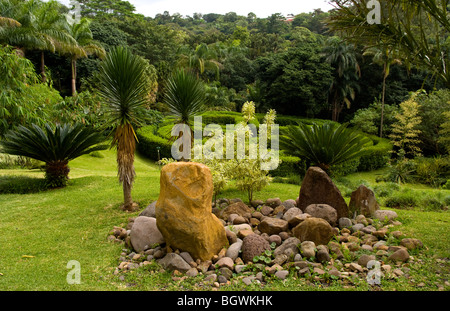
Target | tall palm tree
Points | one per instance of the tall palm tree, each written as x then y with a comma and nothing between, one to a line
417,29
386,57
185,97
42,27
201,59
55,146
85,46
124,88
8,14
342,57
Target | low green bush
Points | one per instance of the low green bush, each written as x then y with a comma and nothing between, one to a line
446,185
292,179
423,200
345,168
21,184
378,155
386,189
219,117
289,165
149,143
405,199
432,171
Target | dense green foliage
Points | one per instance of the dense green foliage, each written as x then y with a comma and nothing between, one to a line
307,69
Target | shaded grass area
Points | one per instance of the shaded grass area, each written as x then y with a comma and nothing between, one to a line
43,231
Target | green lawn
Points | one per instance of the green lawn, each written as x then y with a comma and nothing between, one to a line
42,232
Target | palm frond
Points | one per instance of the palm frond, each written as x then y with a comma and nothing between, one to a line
123,86
62,143
324,145
185,96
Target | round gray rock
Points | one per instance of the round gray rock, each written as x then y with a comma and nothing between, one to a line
144,233
323,211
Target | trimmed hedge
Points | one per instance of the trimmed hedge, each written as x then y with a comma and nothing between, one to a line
150,138
378,156
289,165
148,142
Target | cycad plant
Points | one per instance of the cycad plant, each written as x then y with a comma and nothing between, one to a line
324,145
124,87
55,146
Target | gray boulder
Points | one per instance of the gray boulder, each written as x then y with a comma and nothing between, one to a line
174,261
149,211
145,234
323,211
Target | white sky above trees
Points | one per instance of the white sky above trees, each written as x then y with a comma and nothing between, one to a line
262,8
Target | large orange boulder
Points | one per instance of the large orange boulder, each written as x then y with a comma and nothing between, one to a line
183,210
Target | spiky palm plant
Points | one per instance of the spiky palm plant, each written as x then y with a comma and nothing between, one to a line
184,96
124,87
55,146
324,145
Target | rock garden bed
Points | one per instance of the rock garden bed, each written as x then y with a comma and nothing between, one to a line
265,244
313,237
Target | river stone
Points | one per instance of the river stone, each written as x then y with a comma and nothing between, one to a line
385,215
183,210
314,229
289,203
149,211
233,250
345,222
410,243
323,211
174,261
288,245
253,245
318,188
238,208
145,233
291,213
271,225
308,249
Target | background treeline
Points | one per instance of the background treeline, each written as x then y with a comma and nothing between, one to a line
278,64
302,67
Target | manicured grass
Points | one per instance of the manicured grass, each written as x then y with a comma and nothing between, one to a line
41,232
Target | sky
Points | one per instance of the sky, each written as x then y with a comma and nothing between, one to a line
262,8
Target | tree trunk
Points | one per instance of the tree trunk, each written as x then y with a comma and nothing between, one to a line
74,77
43,76
56,174
126,146
382,101
127,200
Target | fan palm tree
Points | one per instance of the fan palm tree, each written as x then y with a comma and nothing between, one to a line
124,87
54,146
85,46
324,145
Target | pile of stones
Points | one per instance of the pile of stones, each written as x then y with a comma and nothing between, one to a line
313,236
264,243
